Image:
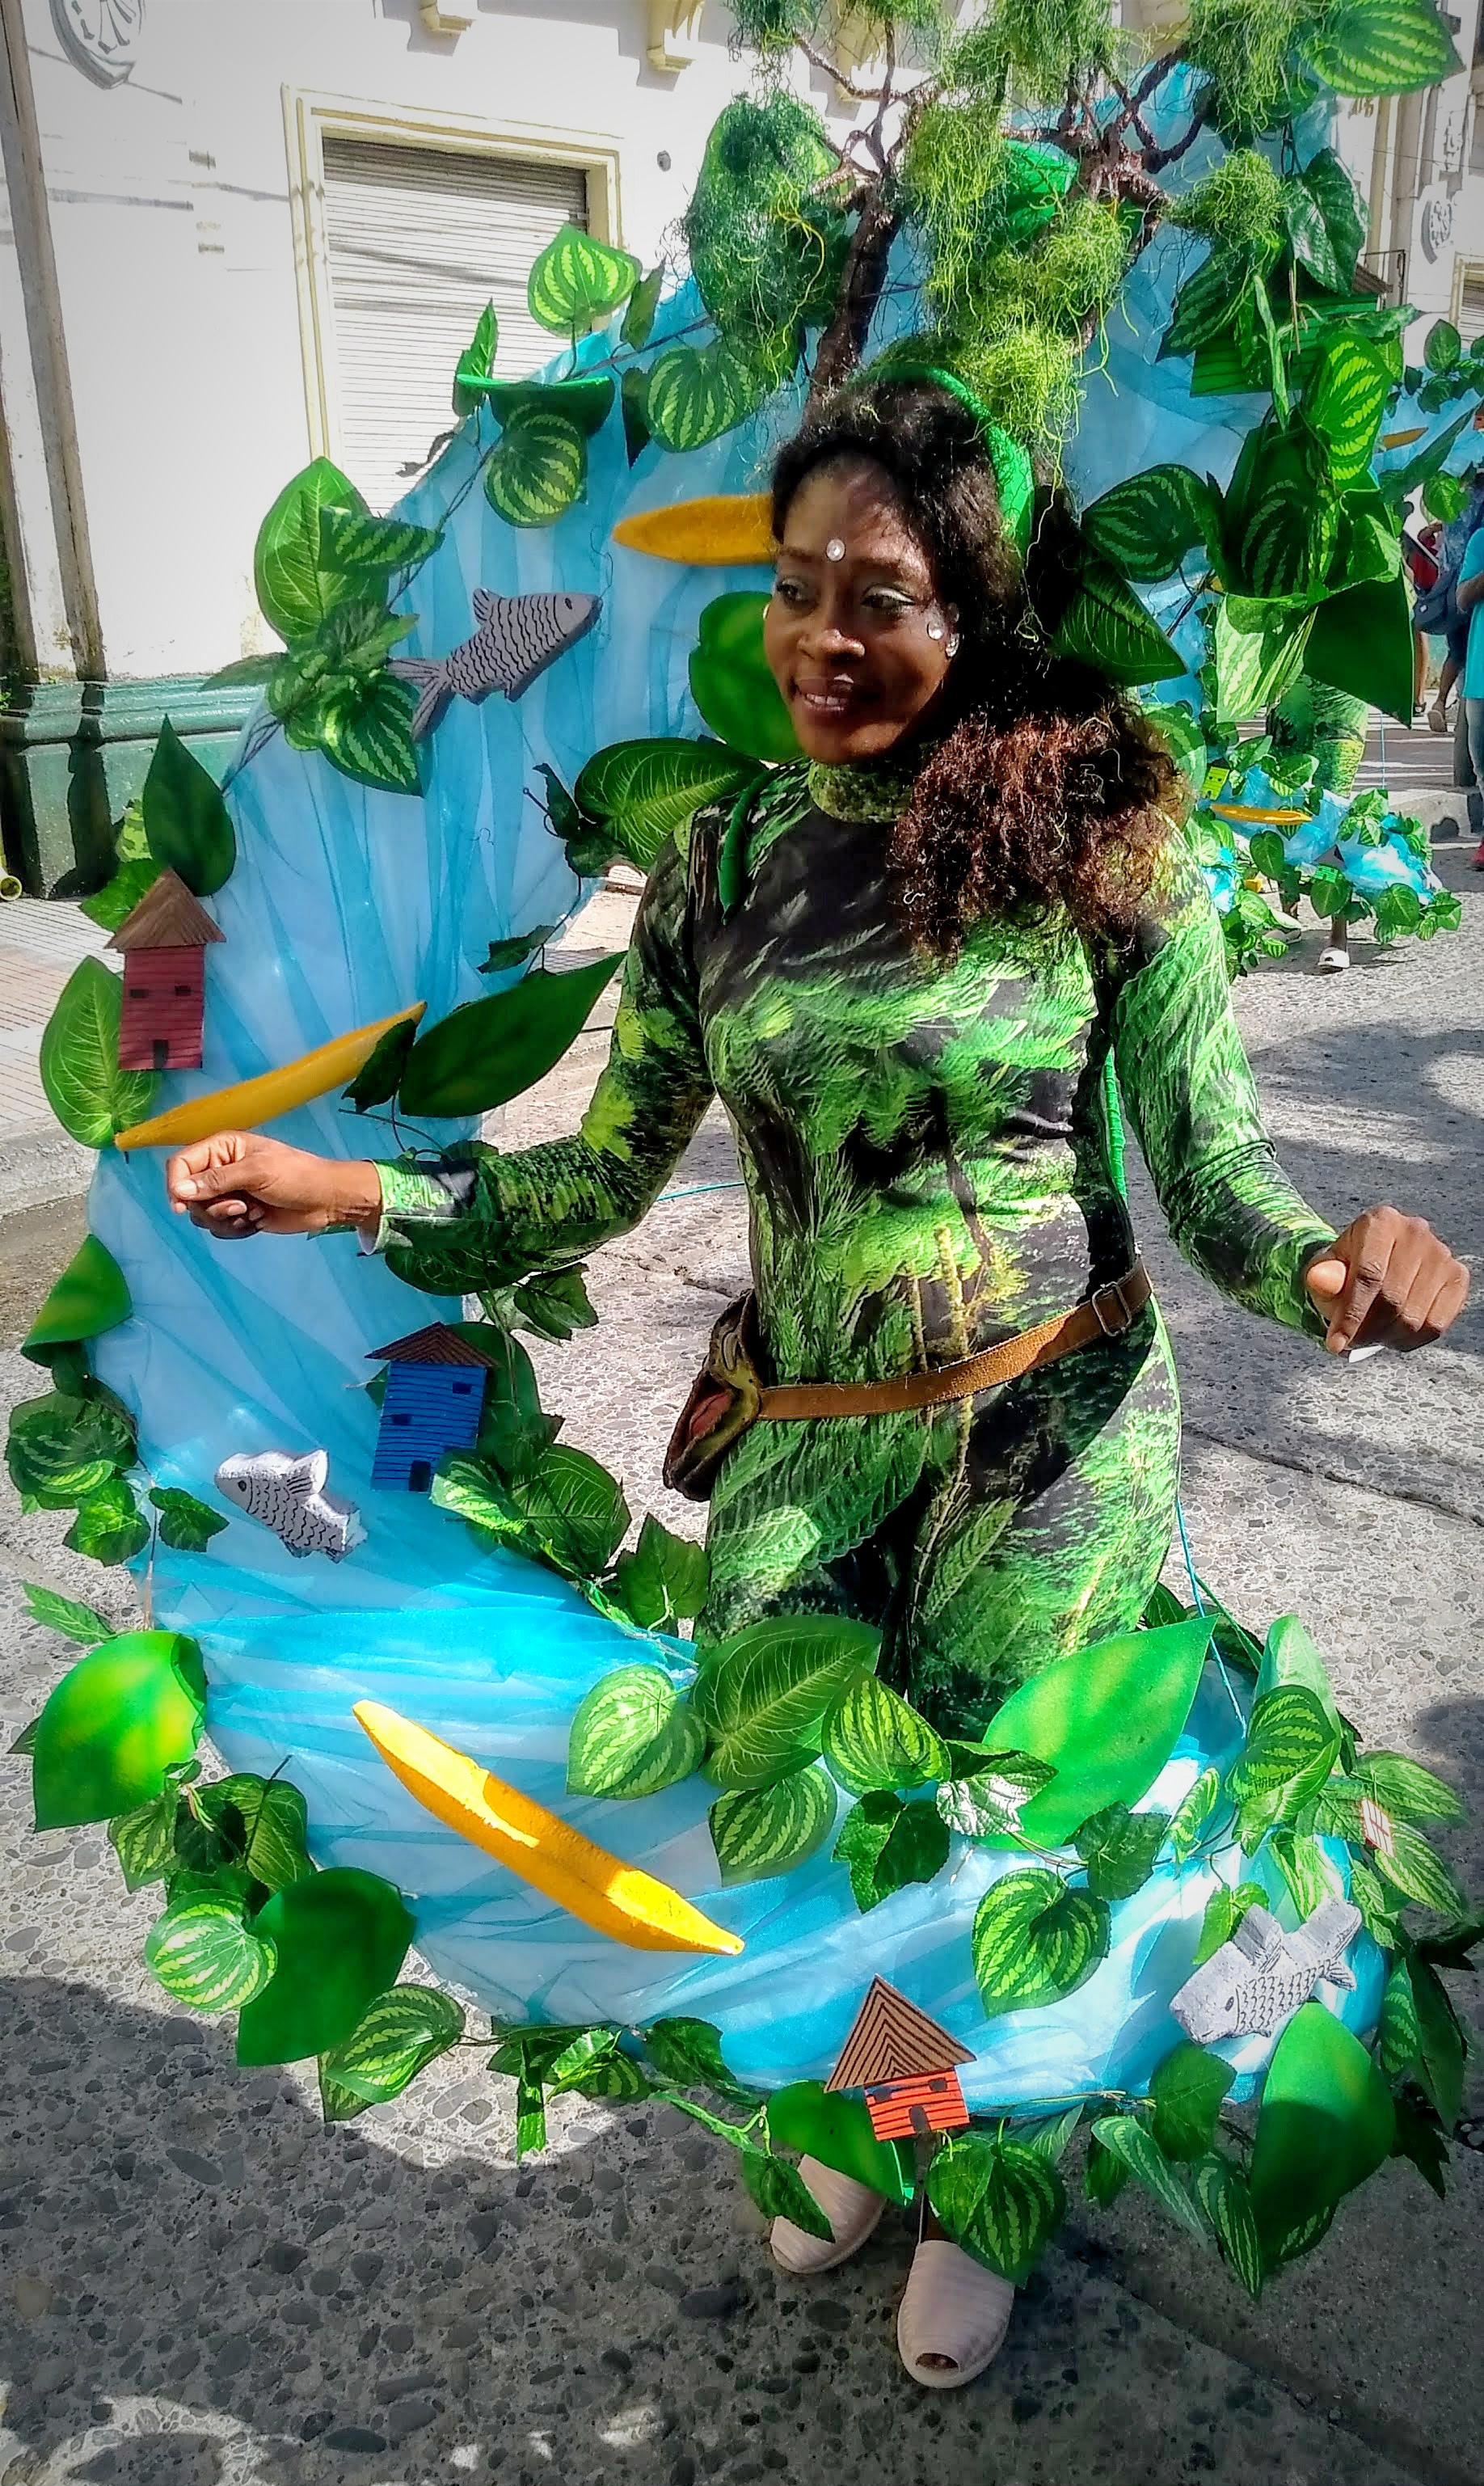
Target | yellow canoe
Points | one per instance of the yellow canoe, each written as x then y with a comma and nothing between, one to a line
723,529
273,1093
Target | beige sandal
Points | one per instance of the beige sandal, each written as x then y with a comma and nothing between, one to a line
952,2318
853,2210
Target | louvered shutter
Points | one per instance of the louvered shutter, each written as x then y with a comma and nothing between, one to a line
1471,304
419,239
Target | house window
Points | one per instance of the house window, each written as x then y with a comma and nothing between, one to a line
417,239
1471,299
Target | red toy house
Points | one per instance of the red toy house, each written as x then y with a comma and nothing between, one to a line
906,2064
164,945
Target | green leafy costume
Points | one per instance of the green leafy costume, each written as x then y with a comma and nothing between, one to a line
930,1164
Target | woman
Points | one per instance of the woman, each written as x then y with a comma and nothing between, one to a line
902,965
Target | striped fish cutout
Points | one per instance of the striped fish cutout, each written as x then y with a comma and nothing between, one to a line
518,636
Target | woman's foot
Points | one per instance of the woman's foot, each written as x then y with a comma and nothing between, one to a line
952,2318
1333,960
852,2209
1438,717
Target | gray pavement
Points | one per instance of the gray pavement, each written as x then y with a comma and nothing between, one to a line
198,2284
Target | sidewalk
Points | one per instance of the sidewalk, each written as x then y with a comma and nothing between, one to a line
41,940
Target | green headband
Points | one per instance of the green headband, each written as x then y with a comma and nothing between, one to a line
1013,475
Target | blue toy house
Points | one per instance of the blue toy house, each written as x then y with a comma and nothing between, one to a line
433,1403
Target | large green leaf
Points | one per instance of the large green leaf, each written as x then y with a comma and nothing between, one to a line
117,898
1209,300
60,1448
573,1508
836,2128
632,1736
1326,2122
1374,47
996,2201
538,470
341,1939
186,1524
763,1695
761,1832
873,1738
1256,664
109,1527
577,279
1416,1868
731,683
1361,643
1187,2092
646,790
1407,1790
125,1715
89,1094
1281,515
296,586
1135,2146
687,2053
90,1296
1148,525
1291,1748
1036,1941
886,1843
186,822
397,2036
663,1581
364,728
1344,399
144,1839
264,1823
488,1051
1106,1718
780,2191
696,392
1308,236
1334,193
203,1954
1118,1848
585,402
1107,626
354,539
76,1622
1221,2190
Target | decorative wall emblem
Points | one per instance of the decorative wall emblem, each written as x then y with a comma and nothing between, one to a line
101,36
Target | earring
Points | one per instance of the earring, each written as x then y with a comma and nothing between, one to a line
951,650
935,630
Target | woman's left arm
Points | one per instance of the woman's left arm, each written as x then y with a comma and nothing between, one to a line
1386,1281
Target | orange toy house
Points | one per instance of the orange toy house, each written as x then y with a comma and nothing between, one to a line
164,945
906,2064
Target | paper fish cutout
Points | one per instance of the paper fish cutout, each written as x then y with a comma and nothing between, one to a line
288,1494
1262,1975
517,638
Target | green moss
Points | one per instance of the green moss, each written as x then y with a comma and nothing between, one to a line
1049,42
1245,49
766,249
1242,201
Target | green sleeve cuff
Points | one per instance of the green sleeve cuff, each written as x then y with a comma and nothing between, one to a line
410,1197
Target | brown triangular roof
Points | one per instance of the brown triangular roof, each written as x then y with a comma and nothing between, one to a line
435,1344
892,2040
166,918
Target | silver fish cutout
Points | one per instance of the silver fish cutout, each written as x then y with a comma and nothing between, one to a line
517,638
288,1494
1262,1975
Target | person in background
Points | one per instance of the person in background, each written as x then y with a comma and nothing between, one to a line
1469,595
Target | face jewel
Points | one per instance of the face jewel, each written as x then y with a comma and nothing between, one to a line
834,549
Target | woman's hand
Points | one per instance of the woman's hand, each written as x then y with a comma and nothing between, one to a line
238,1184
1388,1282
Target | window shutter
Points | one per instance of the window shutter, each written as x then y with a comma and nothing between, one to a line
1470,303
419,239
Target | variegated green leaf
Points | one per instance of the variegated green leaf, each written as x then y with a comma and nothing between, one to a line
646,790
1281,515
1224,1912
1131,2142
763,1695
873,1738
694,393
760,1832
1221,2189
365,729
1194,1815
1408,1791
1256,664
538,470
1334,193
632,1736
396,2036
1107,626
1148,525
354,539
998,2200
296,586
1375,47
1306,1869
1036,1941
1398,2037
1344,399
577,279
202,1954
477,362
1419,1871
1118,1848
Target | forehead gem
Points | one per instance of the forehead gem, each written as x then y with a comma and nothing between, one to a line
834,549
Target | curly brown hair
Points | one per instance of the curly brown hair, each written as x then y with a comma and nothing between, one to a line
1050,795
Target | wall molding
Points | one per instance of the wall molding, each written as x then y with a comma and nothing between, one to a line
675,34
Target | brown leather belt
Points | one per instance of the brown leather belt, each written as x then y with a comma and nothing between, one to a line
1112,1310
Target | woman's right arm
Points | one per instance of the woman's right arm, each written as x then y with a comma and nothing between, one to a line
473,1218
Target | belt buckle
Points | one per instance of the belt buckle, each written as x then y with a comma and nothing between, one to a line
1115,1290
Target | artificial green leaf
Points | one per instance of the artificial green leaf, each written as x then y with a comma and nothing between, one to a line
984,1796
488,1051
634,397
1187,746
1380,1908
114,1725
873,1738
694,393
1208,302
380,1075
354,539
1036,1941
1442,2047
264,1823
1291,1747
1281,515
340,1938
643,303
1444,497
90,1296
60,1448
1135,2146
538,470
585,402
119,897
1221,2189
645,792
1375,47
1147,526
577,279
1051,2137
763,1696
996,2201
1224,1912
1307,1873
1367,546
688,2053
886,1843
836,2128
1326,2122
632,1736
1421,2139
1344,399
1119,1849
1408,1791
186,1525
663,1581
365,729
514,953
1187,2093
1398,2035
758,1833
1416,1868
397,2036
1196,1810
297,587
144,1839
554,1305
1107,626
76,1622
203,1954
108,1526
1106,1718
89,1094
1334,193
780,2191
574,1509
477,363
1105,2174
1308,236
731,681
530,2120
1361,643
1451,1944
